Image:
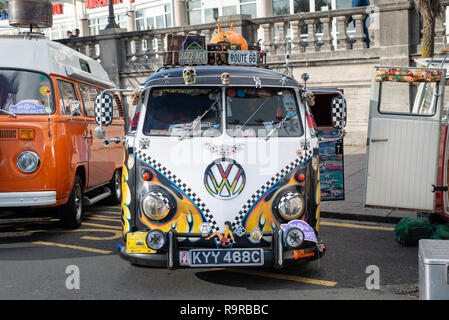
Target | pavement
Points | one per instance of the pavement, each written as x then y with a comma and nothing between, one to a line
352,207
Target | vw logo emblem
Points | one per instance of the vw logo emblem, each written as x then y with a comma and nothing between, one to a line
224,178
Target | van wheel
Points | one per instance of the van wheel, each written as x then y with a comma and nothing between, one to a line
71,214
116,189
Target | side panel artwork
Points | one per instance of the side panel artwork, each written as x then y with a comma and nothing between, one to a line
331,166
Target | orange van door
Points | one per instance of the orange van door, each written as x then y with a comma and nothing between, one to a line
72,145
100,170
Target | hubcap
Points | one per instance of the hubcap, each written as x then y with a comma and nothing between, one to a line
118,185
78,200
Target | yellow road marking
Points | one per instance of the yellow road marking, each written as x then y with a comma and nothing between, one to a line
282,277
117,233
72,247
357,226
109,213
101,226
104,218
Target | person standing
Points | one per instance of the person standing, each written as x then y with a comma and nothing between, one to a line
362,3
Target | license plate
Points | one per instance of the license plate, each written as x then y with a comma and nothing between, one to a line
225,257
241,57
135,243
193,57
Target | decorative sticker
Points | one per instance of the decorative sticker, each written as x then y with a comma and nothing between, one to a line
309,233
44,90
226,237
407,75
159,132
27,107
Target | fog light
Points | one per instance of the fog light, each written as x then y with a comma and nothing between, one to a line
155,239
294,237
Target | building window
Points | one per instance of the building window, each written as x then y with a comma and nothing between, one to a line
281,7
97,24
155,17
301,6
194,12
248,7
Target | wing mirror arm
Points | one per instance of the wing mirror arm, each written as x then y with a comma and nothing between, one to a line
104,114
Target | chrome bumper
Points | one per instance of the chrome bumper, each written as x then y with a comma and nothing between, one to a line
27,199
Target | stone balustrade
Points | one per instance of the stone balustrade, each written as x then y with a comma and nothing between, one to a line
312,32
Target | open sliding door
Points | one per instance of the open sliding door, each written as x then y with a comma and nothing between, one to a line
404,138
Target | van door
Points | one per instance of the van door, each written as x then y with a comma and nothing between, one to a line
404,138
331,160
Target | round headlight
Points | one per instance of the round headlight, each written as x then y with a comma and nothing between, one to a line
155,239
28,161
294,237
156,205
291,206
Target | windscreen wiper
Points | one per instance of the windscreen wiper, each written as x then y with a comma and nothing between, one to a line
196,122
278,126
10,113
241,128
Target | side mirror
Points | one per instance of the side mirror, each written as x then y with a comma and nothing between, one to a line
104,109
100,133
75,108
338,112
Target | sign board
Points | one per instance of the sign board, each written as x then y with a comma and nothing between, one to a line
243,57
191,57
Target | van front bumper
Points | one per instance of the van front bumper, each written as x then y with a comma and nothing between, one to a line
276,256
27,199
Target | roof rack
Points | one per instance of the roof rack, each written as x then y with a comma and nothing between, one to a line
191,50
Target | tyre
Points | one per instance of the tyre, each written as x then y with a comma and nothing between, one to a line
116,189
71,214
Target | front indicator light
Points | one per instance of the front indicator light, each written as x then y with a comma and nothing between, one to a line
28,161
26,134
155,239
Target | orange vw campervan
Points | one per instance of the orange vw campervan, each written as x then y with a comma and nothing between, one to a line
48,154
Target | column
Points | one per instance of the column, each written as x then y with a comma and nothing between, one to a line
131,20
264,8
179,13
84,27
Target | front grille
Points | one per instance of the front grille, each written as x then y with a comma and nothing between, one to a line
8,134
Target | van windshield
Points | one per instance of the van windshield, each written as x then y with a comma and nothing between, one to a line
262,112
184,112
25,92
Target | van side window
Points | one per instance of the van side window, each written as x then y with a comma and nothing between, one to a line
88,95
67,94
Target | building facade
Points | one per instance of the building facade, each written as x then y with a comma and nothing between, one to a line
91,16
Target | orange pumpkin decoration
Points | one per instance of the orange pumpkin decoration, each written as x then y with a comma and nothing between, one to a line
230,36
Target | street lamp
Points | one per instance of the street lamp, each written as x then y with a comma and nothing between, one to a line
111,19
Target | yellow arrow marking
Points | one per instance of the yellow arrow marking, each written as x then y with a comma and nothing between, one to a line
72,247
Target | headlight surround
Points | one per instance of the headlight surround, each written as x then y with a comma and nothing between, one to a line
294,238
156,205
155,239
291,206
28,161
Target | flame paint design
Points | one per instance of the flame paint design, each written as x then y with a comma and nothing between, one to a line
126,200
186,219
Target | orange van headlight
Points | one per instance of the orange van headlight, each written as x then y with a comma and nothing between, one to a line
26,134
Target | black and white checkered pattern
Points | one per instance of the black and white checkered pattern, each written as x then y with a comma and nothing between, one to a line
338,113
264,188
178,182
104,109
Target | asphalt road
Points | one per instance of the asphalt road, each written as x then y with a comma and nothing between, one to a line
38,259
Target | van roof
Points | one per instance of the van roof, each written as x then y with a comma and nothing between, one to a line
211,75
49,57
